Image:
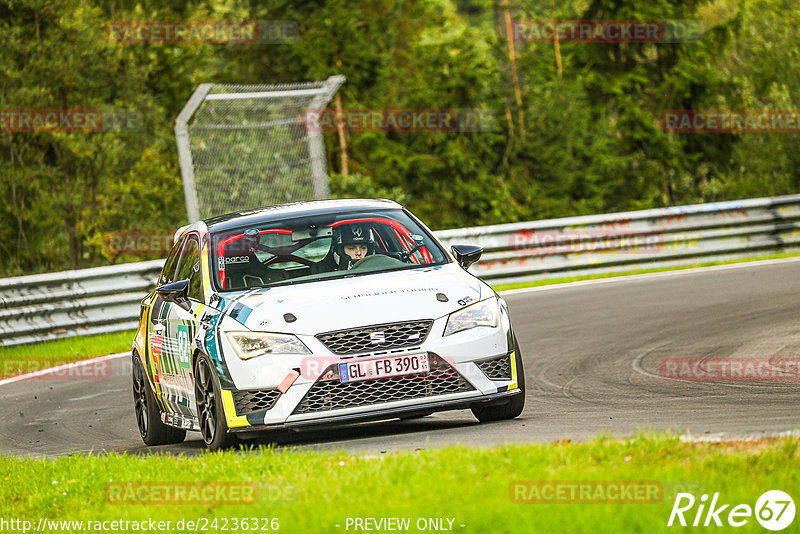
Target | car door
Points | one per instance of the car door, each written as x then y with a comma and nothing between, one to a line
158,321
179,331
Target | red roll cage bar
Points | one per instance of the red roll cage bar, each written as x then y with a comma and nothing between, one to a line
401,232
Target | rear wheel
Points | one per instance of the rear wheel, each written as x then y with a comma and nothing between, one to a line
210,411
148,416
515,404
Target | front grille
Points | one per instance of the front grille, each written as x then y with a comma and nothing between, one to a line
376,337
247,402
496,368
442,379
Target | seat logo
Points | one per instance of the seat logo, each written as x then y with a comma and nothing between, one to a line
377,338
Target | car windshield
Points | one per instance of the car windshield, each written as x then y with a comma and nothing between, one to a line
327,246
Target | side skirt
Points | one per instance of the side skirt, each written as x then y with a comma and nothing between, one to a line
180,421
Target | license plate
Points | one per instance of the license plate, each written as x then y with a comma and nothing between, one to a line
408,364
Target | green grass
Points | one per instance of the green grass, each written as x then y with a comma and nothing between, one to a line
314,491
22,359
566,279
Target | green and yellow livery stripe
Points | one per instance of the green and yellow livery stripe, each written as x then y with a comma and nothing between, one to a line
152,359
513,384
206,270
234,421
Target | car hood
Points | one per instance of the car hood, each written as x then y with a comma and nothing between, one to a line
350,302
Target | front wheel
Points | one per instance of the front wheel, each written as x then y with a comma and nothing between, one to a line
210,412
148,417
515,404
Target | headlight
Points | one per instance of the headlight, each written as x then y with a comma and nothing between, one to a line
482,313
251,344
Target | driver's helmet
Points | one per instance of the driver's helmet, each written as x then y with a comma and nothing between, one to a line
352,235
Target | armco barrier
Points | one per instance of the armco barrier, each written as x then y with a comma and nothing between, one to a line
88,301
623,241
106,299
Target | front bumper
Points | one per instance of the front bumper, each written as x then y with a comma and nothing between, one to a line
312,400
380,414
445,387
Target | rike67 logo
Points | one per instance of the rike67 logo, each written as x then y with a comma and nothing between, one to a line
774,510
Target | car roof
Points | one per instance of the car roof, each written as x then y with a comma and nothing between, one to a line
295,209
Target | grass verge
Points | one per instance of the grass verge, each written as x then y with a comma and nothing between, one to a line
566,279
23,359
316,491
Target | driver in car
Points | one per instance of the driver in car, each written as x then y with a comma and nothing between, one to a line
354,242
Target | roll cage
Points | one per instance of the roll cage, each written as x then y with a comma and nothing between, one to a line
391,238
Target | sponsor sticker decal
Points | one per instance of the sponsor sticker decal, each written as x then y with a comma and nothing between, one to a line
184,347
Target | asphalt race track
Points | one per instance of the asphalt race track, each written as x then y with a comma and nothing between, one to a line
592,356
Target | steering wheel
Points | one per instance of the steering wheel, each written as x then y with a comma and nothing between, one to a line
406,256
375,258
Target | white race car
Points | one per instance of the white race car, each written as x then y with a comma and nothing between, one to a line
316,313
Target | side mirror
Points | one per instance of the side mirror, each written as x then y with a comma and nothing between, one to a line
466,255
176,293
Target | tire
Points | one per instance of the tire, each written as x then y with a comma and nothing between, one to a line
512,408
148,416
210,412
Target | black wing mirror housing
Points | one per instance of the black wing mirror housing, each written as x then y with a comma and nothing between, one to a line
176,293
466,255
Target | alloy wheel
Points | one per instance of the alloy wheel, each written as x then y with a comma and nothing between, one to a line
140,398
206,401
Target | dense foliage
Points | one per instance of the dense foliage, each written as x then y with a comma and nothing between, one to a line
585,139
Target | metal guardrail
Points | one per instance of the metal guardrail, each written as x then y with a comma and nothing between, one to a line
87,301
575,246
106,299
